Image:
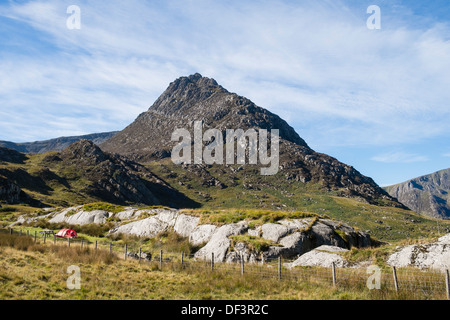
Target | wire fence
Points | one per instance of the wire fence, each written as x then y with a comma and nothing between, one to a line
430,283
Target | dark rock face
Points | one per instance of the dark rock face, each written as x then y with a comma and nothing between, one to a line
427,195
116,179
9,191
56,144
305,165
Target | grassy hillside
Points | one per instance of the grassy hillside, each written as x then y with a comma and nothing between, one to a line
50,182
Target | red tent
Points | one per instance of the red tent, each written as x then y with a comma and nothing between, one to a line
67,233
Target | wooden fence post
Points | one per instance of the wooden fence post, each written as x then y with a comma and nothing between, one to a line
212,261
447,284
10,231
110,248
140,253
333,270
160,259
68,239
45,237
96,245
28,233
54,239
394,272
182,259
125,254
242,265
279,268
35,236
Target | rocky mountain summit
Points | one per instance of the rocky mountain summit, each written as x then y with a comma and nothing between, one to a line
189,99
428,195
197,98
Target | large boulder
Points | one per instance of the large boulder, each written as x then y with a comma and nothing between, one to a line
323,256
185,225
424,256
127,214
304,235
161,220
445,239
88,217
149,227
274,231
75,216
220,243
64,215
202,234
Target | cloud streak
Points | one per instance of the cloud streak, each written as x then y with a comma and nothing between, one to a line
400,157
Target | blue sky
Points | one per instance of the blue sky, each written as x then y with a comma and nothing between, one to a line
378,100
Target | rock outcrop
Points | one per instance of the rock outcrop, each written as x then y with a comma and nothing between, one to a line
219,244
288,238
424,256
323,256
76,216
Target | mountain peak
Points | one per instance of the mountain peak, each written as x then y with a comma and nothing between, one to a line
186,100
199,80
184,92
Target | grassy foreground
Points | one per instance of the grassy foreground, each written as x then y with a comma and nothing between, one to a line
39,271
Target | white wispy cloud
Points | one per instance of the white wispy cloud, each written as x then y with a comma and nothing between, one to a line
400,157
315,64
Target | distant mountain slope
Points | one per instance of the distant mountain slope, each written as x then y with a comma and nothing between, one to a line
197,98
428,195
56,144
